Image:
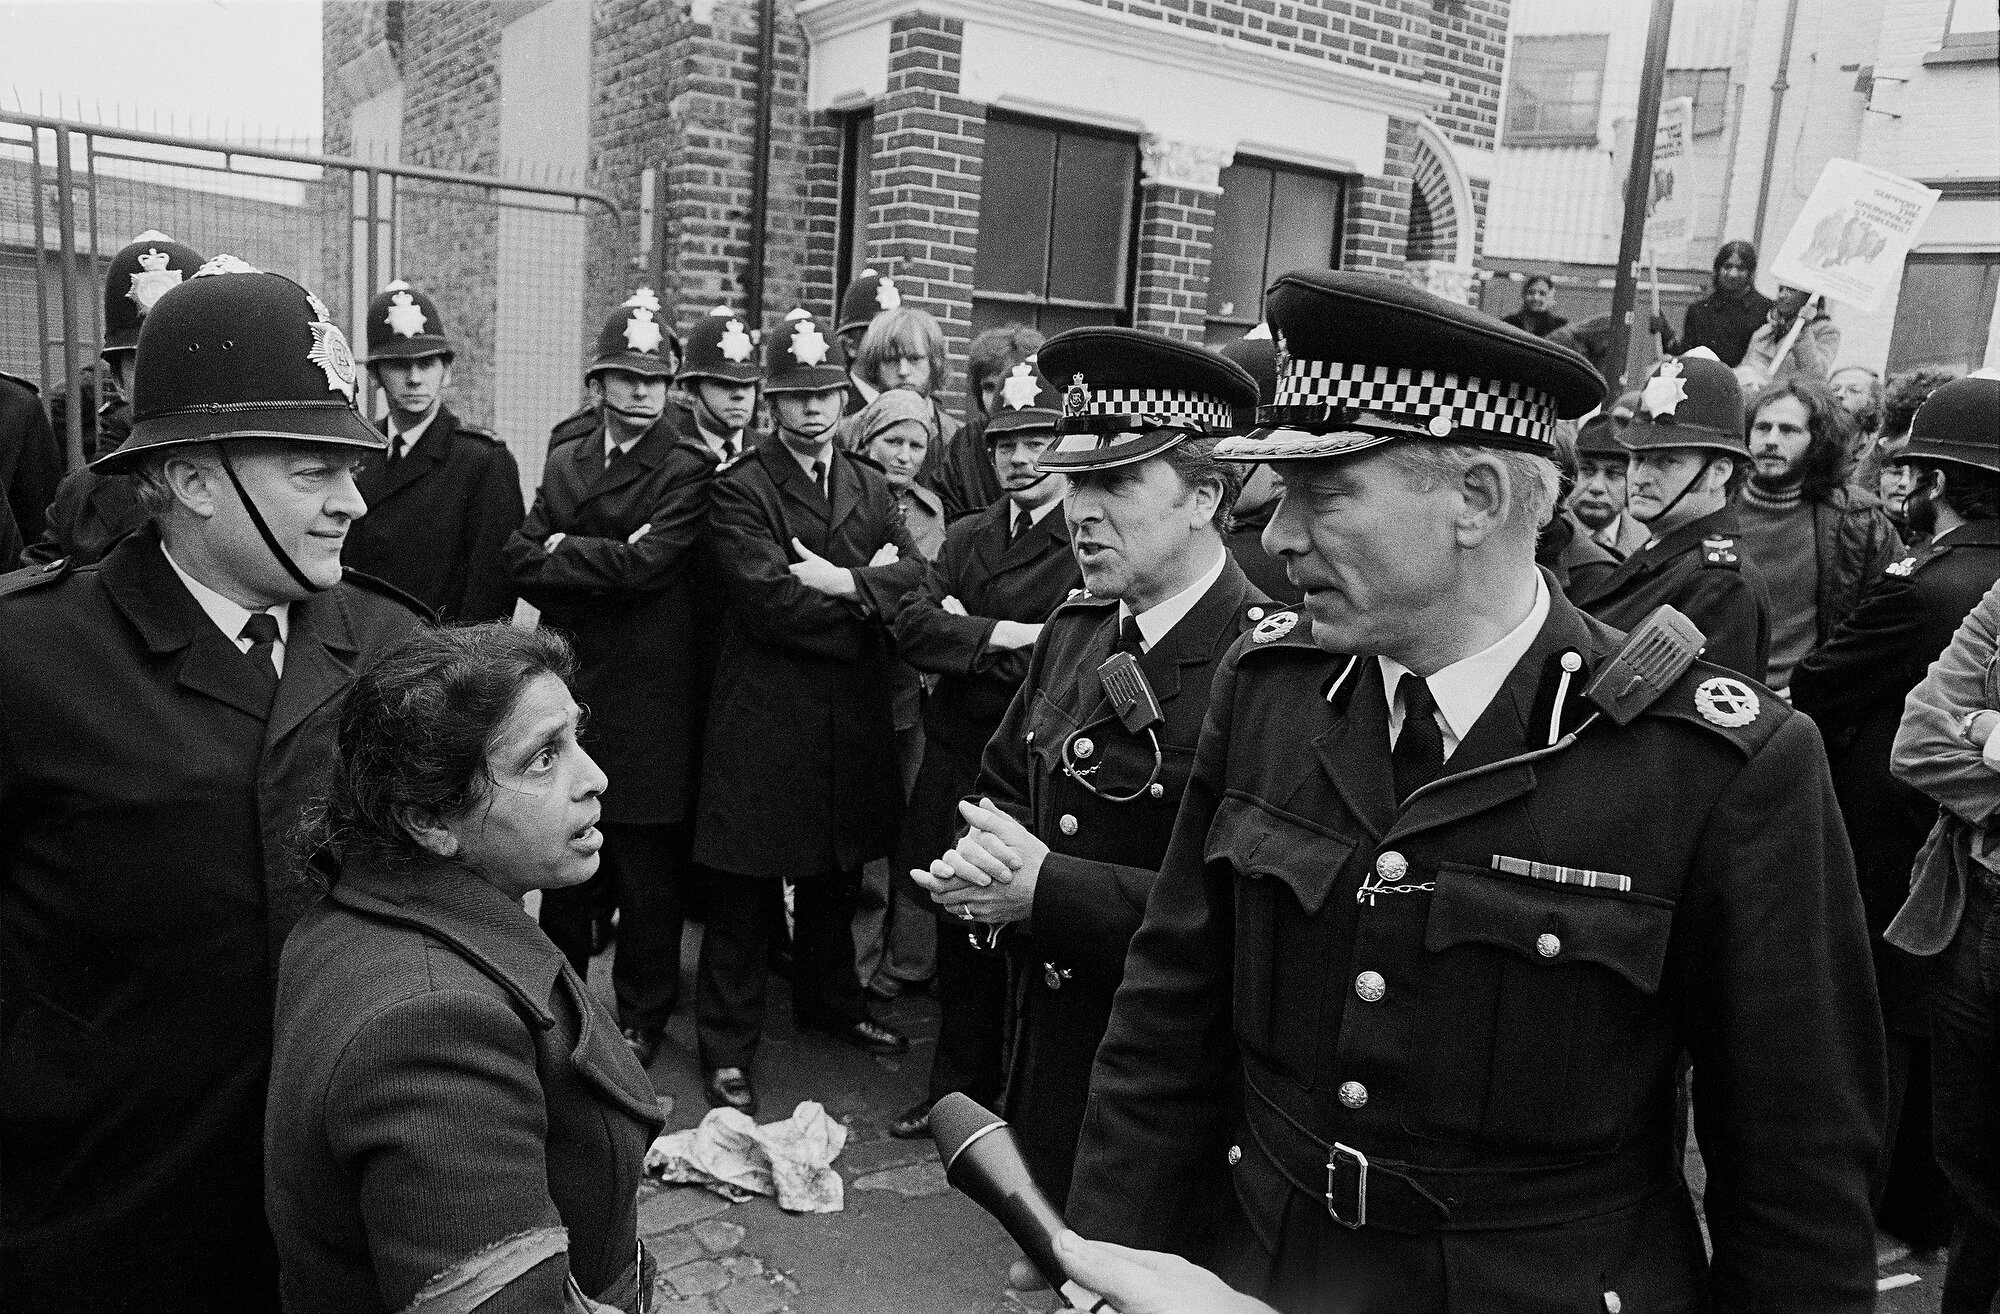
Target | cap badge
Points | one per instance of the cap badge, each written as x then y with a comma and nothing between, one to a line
1019,389
153,280
1076,397
1665,390
1274,627
808,344
406,317
1727,703
642,331
227,264
735,345
886,295
330,353
643,299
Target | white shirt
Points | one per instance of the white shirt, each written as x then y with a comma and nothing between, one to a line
411,436
1155,621
1034,518
611,446
825,456
1465,688
1613,530
230,617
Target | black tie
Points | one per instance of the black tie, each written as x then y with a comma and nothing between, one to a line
1130,639
262,631
395,449
1017,524
1418,757
819,478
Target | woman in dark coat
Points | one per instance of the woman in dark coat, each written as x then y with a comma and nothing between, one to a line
453,1118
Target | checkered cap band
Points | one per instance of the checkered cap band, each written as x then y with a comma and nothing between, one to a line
1165,408
1512,410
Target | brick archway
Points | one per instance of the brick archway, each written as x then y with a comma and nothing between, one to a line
1439,246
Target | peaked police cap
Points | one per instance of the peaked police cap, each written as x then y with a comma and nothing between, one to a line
404,324
140,274
802,355
637,339
1364,360
1128,395
722,346
236,353
1958,422
869,295
1257,352
1689,401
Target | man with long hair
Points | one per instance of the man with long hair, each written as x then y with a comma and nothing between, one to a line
1725,320
1818,542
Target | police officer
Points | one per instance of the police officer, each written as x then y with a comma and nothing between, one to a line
1853,686
585,419
1688,458
607,553
168,715
869,295
799,773
1255,352
720,375
1411,969
445,495
1079,785
973,623
93,508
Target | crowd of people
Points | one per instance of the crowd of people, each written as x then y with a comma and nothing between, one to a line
1353,828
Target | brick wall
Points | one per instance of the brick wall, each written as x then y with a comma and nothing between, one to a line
1176,228
923,183
631,85
1378,208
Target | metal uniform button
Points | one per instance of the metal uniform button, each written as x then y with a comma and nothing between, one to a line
1370,986
1392,866
1157,790
1053,976
1613,1305
1066,824
1353,1094
1235,1155
1255,613
1083,748
1548,946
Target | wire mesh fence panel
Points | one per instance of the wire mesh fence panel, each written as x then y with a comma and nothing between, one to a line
504,259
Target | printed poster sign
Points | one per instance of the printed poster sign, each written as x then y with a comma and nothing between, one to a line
1850,240
1670,206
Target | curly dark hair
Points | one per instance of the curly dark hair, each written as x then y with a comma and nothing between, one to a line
1904,393
413,737
1827,461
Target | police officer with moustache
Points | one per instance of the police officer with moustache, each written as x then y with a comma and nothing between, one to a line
1688,458
973,623
1410,969
94,508
609,552
166,718
799,774
1079,785
445,496
720,374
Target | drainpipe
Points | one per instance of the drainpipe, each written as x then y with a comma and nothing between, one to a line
760,158
1778,89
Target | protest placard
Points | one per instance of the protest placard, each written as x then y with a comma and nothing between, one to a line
1670,206
1850,240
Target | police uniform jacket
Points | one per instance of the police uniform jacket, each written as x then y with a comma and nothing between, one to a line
438,518
1103,855
627,606
1853,686
147,804
1699,570
799,773
92,511
1466,991
444,1082
31,459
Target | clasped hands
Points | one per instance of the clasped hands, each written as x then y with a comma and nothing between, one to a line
822,576
991,872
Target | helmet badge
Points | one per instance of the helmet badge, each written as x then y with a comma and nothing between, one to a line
406,318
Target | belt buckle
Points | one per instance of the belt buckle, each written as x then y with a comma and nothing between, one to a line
1344,1155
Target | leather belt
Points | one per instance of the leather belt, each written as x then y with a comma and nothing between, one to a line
1360,1189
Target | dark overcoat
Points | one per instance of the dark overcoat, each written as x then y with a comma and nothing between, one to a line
1853,686
799,774
627,606
1319,967
91,512
1698,569
147,804
438,518
31,459
444,1081
1103,855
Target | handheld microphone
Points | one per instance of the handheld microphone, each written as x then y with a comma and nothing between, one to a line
982,1160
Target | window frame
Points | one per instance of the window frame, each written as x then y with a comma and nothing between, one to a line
857,147
1720,105
1987,262
1341,183
1566,136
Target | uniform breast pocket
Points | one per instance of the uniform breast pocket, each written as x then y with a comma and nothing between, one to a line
1285,871
1048,726
1542,1024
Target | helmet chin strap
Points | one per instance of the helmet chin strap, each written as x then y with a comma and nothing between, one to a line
1686,488
263,529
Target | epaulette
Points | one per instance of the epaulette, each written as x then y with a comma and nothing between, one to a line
1276,627
1081,600
1719,554
33,577
1724,703
383,588
475,431
1900,569
15,378
572,427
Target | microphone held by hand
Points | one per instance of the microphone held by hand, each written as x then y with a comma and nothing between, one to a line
982,1160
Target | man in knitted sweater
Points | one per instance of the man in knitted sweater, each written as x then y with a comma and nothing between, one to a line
1817,541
